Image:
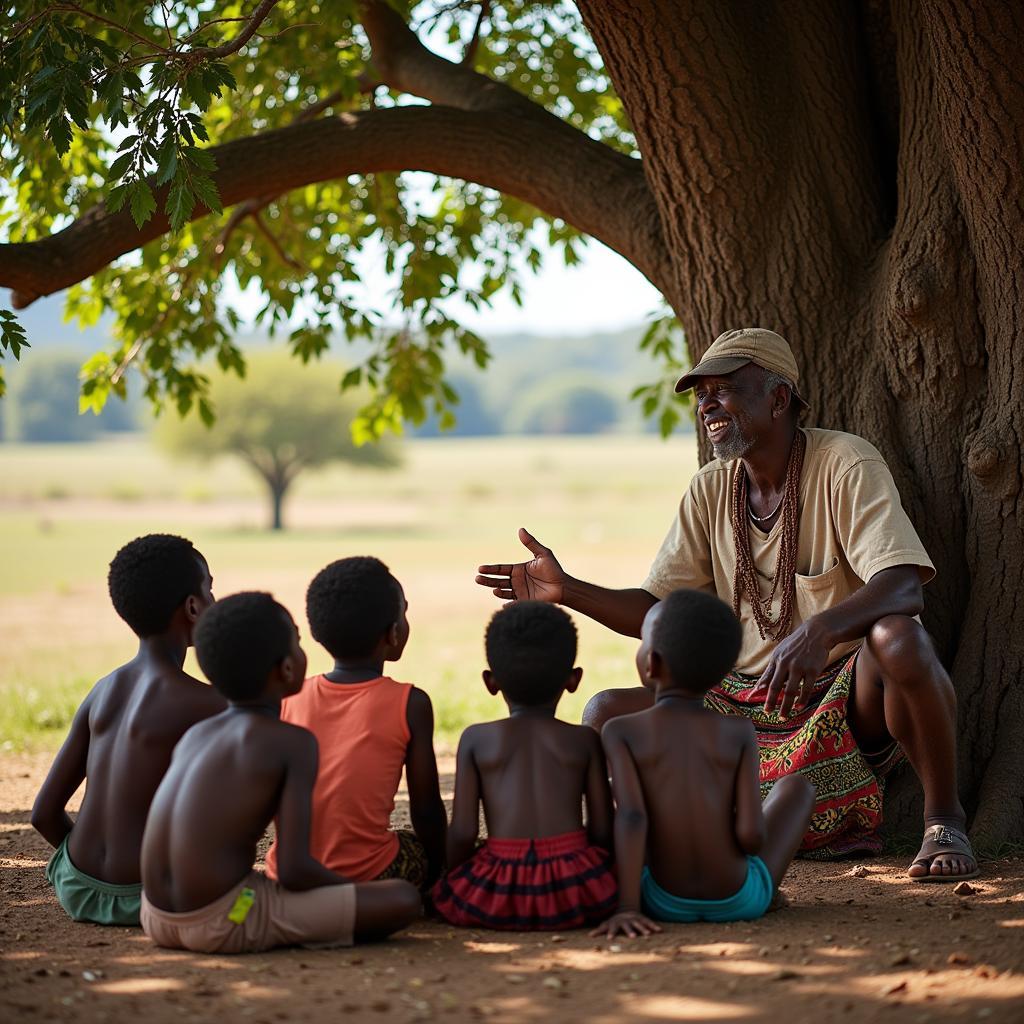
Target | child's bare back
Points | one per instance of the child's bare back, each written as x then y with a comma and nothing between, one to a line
533,772
692,839
228,778
698,771
122,736
541,866
129,725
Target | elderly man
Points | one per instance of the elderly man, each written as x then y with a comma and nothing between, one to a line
802,530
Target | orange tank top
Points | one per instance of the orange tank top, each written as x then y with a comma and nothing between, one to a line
363,734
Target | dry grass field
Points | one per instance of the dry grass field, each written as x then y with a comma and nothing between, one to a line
602,503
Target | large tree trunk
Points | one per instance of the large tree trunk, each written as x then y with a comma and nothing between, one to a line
851,177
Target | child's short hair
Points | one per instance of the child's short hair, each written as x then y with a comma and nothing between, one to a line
698,638
240,640
150,577
351,604
531,647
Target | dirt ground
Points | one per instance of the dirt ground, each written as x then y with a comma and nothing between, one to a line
856,943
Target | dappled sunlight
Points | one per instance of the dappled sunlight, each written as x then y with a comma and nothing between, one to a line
481,946
138,986
666,1007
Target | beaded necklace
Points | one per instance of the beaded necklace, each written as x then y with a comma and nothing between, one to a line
744,582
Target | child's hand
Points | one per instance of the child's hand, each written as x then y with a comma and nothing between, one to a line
630,923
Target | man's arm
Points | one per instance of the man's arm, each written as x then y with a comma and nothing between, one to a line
297,869
543,579
49,817
465,826
630,838
426,808
803,655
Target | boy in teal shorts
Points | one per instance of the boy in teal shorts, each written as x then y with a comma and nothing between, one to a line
686,787
122,736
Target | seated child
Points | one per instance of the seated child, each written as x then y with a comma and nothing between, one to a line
123,734
539,868
229,776
686,785
368,726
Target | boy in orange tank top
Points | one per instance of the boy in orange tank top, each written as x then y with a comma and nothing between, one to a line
368,727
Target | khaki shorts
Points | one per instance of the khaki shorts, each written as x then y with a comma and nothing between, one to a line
257,914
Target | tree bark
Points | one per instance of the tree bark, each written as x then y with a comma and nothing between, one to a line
768,142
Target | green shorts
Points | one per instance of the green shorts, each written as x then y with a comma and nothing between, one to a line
85,898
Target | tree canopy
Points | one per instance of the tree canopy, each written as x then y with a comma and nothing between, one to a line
125,124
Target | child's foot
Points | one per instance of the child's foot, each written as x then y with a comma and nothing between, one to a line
945,856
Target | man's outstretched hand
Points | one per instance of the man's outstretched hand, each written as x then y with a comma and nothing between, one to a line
540,579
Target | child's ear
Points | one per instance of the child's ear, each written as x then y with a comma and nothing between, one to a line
574,680
654,665
193,609
490,682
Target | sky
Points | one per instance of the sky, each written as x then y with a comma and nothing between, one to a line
603,292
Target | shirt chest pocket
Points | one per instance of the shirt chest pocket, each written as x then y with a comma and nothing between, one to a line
815,594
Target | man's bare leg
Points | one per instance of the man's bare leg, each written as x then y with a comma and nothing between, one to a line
612,703
787,813
902,692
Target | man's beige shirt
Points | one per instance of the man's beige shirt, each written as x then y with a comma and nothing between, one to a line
852,526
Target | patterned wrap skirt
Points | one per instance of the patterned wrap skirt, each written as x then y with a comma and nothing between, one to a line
817,742
530,885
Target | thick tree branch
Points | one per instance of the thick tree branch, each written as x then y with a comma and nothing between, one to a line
559,170
404,64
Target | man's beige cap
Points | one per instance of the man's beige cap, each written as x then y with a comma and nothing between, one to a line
734,349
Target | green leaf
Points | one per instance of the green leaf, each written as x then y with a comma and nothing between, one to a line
59,131
180,203
206,192
12,334
167,164
143,204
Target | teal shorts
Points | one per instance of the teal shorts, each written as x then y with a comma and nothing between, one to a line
752,900
85,898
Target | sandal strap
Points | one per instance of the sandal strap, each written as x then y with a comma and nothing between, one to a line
946,835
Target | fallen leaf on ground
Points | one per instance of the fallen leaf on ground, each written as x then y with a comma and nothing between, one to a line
964,889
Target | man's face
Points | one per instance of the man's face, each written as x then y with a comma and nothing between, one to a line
734,410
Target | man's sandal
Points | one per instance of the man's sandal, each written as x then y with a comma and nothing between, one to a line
941,840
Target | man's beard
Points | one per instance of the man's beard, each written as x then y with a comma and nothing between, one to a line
735,446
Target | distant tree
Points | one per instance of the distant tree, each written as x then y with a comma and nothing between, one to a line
281,419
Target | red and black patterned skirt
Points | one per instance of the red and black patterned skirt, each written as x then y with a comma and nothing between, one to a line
530,885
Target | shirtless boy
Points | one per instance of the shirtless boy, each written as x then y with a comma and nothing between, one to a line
686,784
368,726
123,734
229,777
540,868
